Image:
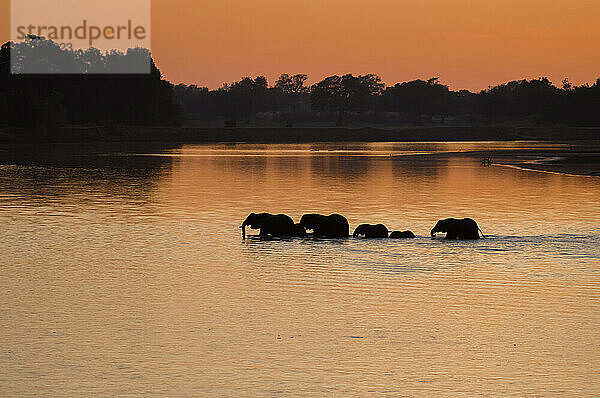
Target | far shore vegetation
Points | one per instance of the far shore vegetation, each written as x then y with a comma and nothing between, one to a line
48,102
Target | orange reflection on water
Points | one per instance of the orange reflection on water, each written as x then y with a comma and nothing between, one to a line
130,275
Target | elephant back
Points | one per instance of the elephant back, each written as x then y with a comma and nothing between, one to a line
371,231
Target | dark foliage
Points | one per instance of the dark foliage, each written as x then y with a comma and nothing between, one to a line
340,99
246,100
50,100
417,99
346,93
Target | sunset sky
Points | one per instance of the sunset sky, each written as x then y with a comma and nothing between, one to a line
467,43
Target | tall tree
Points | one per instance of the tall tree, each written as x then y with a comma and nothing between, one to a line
346,93
418,98
292,85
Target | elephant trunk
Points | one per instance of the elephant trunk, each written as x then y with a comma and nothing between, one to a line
243,228
306,223
482,235
433,232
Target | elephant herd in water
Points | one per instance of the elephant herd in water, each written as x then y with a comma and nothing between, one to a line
336,226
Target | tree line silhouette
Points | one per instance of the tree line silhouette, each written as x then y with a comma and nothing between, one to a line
81,87
91,95
364,98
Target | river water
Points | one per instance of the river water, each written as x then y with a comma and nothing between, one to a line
123,273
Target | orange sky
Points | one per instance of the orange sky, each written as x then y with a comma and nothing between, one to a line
468,43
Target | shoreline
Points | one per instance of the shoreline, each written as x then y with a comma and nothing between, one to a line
570,165
579,155
275,135
583,161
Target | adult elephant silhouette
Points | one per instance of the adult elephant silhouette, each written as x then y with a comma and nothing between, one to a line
454,228
371,231
402,235
333,226
277,225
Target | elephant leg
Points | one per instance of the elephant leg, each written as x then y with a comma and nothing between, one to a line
318,231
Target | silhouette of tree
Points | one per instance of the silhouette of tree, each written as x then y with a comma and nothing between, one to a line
417,101
48,99
582,105
418,98
523,99
289,93
103,90
245,98
292,85
566,84
346,93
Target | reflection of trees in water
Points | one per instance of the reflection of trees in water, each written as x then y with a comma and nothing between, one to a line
246,167
340,167
287,168
319,168
342,146
419,146
253,175
75,175
418,167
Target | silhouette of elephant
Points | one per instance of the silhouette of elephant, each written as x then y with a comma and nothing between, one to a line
371,231
278,225
333,226
402,235
299,231
466,228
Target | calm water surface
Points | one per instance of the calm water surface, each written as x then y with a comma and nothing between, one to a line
123,273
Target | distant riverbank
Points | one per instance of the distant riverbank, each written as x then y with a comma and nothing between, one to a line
579,153
580,158
292,135
584,164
